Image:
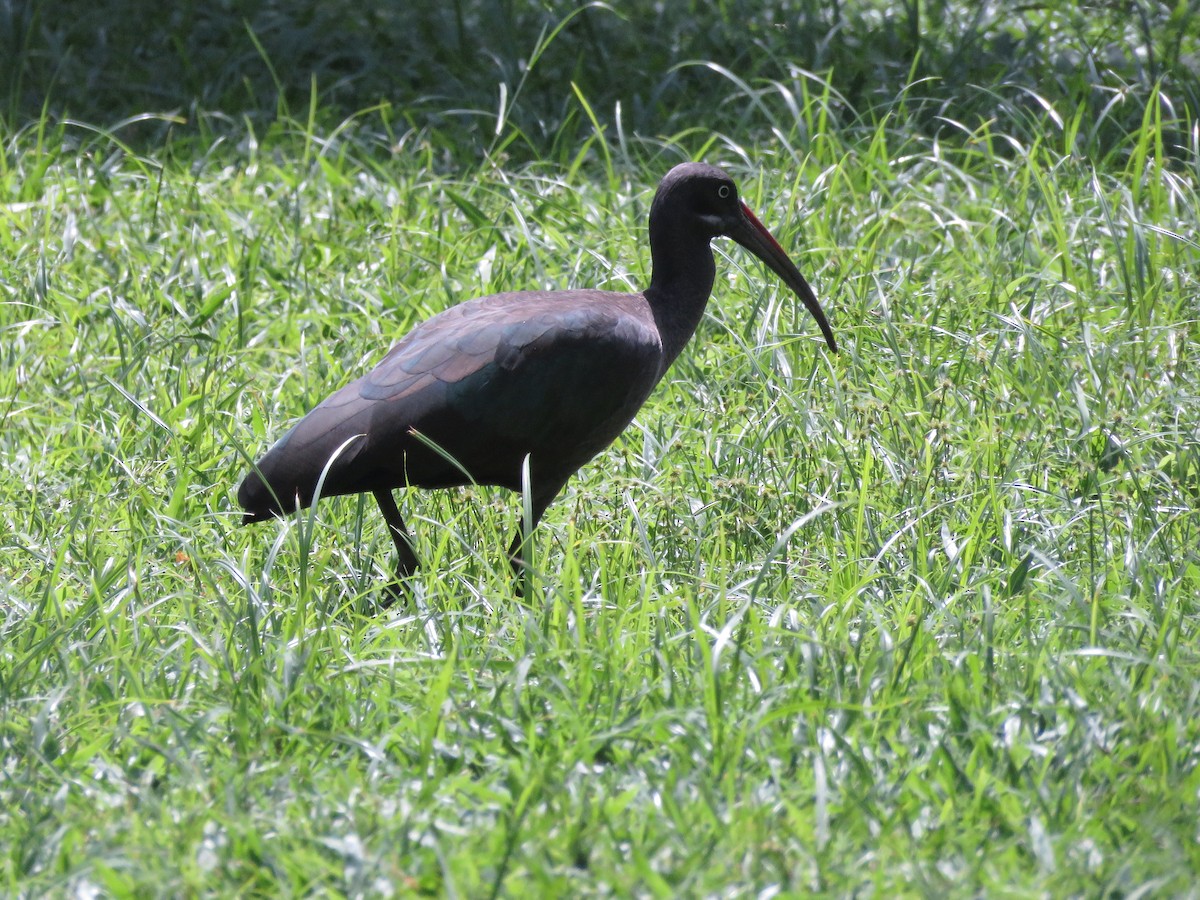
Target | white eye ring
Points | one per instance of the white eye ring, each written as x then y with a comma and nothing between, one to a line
723,192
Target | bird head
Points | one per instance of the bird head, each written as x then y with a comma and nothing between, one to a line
708,199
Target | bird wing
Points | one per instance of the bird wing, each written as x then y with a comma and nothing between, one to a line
557,376
548,376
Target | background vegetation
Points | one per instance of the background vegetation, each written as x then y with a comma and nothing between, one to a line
920,618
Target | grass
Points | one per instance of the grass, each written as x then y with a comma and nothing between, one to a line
919,618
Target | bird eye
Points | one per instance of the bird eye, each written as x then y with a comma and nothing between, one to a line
723,192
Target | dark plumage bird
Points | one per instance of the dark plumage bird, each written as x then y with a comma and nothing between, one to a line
553,377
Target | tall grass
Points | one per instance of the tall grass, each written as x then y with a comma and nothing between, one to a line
917,618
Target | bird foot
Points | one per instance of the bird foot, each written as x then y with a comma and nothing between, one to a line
394,592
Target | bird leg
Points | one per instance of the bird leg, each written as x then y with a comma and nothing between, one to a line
516,550
406,557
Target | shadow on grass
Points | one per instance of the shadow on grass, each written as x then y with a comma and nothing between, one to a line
463,71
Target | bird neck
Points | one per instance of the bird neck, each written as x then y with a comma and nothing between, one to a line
681,281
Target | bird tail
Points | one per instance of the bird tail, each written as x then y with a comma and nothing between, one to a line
259,501
287,476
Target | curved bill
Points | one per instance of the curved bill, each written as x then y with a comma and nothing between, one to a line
753,235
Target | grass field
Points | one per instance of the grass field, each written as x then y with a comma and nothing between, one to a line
919,618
